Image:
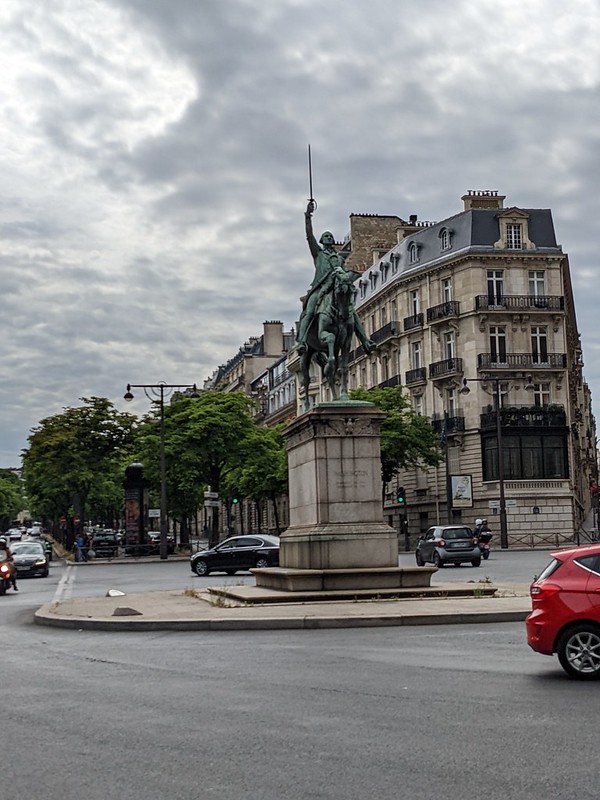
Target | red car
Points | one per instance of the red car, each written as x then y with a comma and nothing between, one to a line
566,611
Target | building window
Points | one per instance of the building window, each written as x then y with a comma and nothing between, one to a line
385,368
414,303
514,239
449,345
413,253
363,377
537,283
374,378
416,355
395,259
393,310
362,289
419,405
447,290
383,315
541,394
384,269
495,286
526,457
539,344
445,238
498,344
373,278
373,323
452,402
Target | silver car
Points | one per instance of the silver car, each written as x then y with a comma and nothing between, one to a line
448,544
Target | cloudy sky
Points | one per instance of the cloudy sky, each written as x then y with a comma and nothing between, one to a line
153,166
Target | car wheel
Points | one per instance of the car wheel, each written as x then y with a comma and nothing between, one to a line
419,559
578,651
261,563
230,571
476,562
437,561
201,567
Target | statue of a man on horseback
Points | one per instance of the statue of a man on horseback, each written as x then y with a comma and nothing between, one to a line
328,318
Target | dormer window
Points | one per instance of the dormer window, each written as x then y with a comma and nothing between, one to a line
395,257
373,279
514,237
413,253
514,230
384,269
362,288
445,235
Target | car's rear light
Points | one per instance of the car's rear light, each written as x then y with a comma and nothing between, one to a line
475,540
442,543
540,591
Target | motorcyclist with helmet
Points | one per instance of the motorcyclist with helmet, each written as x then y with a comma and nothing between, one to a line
6,555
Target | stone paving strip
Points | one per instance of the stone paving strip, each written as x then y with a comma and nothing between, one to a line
201,610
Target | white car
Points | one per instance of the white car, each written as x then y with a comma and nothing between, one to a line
14,534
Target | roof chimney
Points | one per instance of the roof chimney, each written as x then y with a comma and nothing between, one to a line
487,198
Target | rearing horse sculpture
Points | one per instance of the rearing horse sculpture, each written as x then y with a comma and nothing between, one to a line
329,336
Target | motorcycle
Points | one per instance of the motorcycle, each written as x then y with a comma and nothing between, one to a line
483,539
6,575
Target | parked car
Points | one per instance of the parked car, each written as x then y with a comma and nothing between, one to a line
237,553
448,544
105,544
30,559
14,534
153,538
565,617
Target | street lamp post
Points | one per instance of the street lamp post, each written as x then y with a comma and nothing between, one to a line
496,380
156,392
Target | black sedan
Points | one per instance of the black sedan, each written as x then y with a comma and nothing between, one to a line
237,553
30,559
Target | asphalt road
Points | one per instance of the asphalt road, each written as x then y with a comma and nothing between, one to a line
457,711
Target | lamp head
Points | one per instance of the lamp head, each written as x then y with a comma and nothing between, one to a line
529,386
128,394
464,389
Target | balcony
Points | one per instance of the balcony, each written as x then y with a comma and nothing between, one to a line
448,424
525,417
386,332
416,321
449,309
528,302
415,376
396,380
512,361
449,366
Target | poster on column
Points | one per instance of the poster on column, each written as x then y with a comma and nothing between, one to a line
461,491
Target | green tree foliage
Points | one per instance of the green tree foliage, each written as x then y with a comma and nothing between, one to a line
11,497
407,440
78,457
205,438
263,470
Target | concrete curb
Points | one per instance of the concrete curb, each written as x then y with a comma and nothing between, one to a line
303,621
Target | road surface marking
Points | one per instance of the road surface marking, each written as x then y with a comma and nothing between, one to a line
64,590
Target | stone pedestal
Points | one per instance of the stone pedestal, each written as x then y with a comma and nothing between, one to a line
336,517
337,537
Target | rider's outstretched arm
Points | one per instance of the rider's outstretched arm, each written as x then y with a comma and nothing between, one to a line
310,237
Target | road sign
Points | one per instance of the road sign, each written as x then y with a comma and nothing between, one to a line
154,513
508,503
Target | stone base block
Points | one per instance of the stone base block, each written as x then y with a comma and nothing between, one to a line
331,580
339,546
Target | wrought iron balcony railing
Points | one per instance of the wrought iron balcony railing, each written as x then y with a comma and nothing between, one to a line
449,366
388,331
416,321
526,417
448,424
521,361
451,308
418,375
528,302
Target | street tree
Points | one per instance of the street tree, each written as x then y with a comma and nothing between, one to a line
205,437
77,455
11,497
407,439
262,473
